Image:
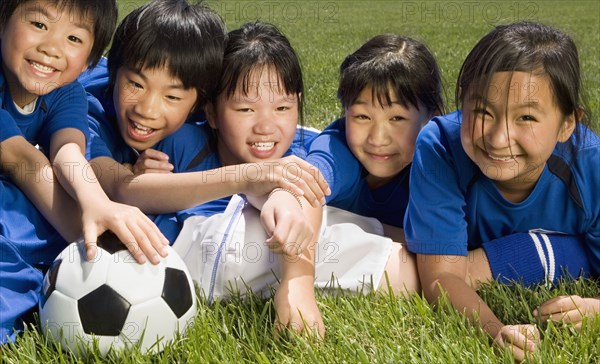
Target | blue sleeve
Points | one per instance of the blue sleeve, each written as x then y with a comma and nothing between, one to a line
435,221
8,127
330,153
185,147
67,108
96,144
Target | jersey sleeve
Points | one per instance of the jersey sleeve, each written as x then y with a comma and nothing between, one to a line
67,108
330,154
435,220
8,126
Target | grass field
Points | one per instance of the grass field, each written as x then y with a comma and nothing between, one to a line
377,328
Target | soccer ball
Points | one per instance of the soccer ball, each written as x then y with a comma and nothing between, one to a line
115,300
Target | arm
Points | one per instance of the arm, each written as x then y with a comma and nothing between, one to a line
443,274
293,228
31,171
188,189
135,229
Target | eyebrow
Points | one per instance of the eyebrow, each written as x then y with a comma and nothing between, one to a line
141,73
34,7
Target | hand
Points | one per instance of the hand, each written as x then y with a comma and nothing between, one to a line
288,228
296,307
521,339
152,161
290,173
568,309
141,236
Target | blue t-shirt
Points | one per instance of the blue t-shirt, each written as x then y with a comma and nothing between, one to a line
8,127
346,176
64,107
453,207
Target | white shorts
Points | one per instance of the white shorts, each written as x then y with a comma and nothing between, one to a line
226,253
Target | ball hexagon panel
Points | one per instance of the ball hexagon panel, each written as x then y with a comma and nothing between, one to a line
61,323
136,282
76,276
177,292
103,311
157,322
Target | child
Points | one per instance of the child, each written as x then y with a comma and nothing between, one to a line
45,45
515,159
389,88
163,64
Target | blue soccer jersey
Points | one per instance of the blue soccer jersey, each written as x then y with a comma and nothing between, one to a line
346,176
453,207
8,127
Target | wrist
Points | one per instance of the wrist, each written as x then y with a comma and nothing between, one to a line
281,189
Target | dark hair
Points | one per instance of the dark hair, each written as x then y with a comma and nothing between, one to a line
393,64
525,47
102,13
254,47
187,39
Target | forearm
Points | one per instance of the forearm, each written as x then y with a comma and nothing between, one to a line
447,275
31,171
304,263
163,193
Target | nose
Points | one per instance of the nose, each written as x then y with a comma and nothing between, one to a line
51,46
497,134
378,134
146,104
265,125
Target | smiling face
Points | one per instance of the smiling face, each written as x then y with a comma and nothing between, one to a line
514,134
44,47
382,137
150,105
256,126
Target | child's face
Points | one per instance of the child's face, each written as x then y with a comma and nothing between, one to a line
382,138
258,126
514,135
150,105
43,48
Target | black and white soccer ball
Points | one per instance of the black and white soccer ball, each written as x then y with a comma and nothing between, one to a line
115,300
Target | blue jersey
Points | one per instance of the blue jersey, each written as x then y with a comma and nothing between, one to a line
8,127
453,207
64,107
346,176
193,150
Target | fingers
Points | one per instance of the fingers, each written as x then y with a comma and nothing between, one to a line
568,309
306,180
152,161
522,340
90,241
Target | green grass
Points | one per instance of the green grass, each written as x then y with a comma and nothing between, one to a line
376,327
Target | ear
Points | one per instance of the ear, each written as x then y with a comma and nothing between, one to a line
568,126
211,115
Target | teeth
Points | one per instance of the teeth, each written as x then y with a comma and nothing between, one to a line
41,67
142,129
263,145
502,159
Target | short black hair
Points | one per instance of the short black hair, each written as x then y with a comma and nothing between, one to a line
393,65
102,13
187,39
259,46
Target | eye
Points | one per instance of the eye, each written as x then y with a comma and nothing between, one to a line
527,118
397,118
361,117
134,84
244,109
173,98
74,39
38,25
283,108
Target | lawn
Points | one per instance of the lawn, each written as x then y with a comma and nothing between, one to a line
377,327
